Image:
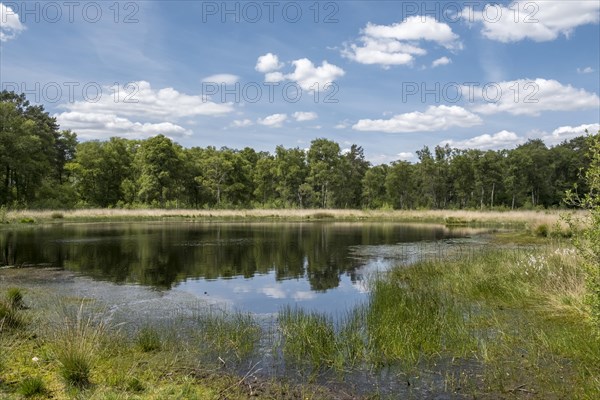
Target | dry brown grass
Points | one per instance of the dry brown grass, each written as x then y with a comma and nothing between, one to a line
530,218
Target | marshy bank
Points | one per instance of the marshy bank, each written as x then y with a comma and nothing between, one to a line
523,218
505,322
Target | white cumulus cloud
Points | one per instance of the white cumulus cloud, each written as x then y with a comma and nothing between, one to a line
139,99
500,140
405,156
563,133
529,97
540,20
102,126
10,24
435,118
304,116
274,77
310,77
399,43
268,63
273,121
441,61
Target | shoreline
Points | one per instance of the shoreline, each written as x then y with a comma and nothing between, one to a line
526,218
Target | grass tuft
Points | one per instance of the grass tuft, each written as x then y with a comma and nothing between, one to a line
307,336
226,334
148,339
10,317
135,385
14,297
32,386
76,344
75,366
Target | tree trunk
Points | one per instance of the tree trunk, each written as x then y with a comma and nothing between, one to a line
481,199
493,188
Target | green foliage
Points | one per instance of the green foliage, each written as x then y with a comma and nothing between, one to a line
541,230
148,339
27,220
32,386
43,167
588,240
32,149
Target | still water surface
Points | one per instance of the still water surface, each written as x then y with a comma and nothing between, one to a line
256,267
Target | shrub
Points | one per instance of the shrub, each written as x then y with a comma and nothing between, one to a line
57,215
27,220
3,215
588,240
541,230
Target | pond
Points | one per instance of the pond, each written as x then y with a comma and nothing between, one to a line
254,267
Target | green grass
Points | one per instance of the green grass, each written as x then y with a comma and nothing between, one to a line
307,337
408,321
148,339
505,321
77,343
14,297
229,335
519,314
32,386
508,322
10,317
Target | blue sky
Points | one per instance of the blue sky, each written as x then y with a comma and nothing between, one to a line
389,76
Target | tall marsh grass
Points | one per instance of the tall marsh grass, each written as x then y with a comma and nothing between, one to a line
407,322
529,218
148,339
224,334
77,340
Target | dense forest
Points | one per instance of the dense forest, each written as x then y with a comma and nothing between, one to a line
44,167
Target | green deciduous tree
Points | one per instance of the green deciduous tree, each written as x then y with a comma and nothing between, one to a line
159,168
323,170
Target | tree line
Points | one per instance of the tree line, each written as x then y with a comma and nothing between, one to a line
42,166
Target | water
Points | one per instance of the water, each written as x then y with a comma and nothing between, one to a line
255,267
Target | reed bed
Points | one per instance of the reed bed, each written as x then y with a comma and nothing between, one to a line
532,218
